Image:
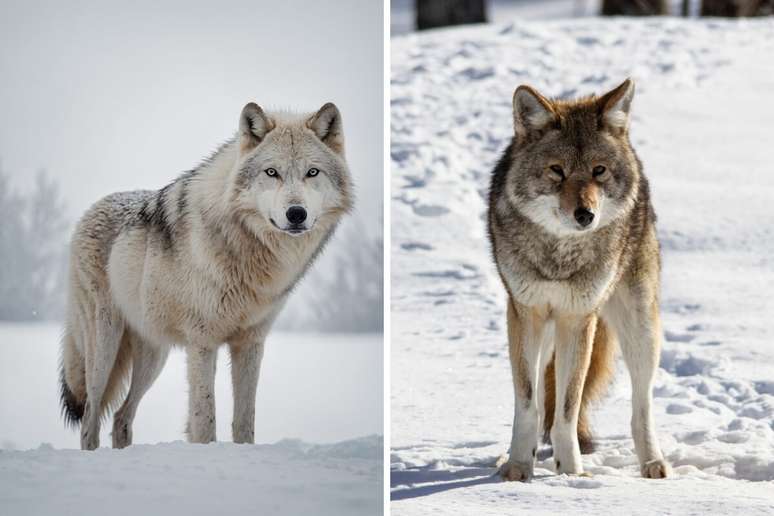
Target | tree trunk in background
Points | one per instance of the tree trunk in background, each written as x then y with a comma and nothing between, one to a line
634,7
727,8
685,9
737,8
440,13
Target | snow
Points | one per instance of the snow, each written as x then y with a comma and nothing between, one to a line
289,477
314,388
701,124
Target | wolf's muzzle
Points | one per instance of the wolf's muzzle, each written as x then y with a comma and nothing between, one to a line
296,215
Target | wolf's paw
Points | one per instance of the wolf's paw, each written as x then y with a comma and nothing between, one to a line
89,440
122,433
517,471
657,468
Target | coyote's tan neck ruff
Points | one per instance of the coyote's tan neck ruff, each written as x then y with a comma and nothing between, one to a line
206,260
573,236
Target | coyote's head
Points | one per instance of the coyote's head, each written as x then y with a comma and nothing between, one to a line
573,168
291,169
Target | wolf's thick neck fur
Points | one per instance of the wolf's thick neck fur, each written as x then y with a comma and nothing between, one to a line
243,245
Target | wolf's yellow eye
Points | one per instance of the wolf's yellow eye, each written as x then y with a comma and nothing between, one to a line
598,170
556,169
271,172
312,172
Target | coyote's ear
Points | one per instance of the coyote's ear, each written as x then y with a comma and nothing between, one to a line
614,107
326,125
532,112
253,126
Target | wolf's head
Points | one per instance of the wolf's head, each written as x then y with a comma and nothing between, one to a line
291,170
573,168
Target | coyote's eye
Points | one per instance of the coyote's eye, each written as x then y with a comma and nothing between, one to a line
312,172
271,172
557,170
598,171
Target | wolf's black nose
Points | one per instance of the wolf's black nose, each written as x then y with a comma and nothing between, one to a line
296,214
583,216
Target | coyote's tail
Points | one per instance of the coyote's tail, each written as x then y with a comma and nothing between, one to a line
72,376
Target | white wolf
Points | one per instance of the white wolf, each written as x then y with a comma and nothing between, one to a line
206,260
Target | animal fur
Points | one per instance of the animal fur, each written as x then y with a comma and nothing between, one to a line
573,236
208,259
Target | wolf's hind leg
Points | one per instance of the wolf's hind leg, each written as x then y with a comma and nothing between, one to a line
147,362
526,332
100,360
574,337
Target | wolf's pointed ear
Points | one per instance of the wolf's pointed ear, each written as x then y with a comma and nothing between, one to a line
253,126
532,112
326,124
614,107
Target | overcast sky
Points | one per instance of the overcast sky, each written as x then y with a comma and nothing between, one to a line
127,96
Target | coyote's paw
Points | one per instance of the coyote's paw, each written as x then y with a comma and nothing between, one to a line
516,471
657,468
568,467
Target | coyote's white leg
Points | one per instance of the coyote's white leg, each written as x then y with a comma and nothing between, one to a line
526,330
636,321
574,338
100,359
201,392
246,356
147,362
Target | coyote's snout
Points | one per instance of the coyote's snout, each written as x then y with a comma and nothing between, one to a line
573,235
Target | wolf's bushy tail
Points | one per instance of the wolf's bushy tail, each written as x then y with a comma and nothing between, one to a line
72,377
72,374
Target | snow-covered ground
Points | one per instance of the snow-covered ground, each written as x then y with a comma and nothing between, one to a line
702,124
314,388
288,477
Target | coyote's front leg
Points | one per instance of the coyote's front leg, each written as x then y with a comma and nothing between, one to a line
574,340
635,317
526,330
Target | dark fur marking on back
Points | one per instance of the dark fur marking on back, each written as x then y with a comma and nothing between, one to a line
182,199
157,217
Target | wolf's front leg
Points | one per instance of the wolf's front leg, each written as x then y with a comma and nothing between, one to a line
526,328
574,340
201,392
246,356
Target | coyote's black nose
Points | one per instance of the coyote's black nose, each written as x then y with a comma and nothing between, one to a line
296,214
583,216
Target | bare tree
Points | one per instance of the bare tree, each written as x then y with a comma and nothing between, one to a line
33,239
